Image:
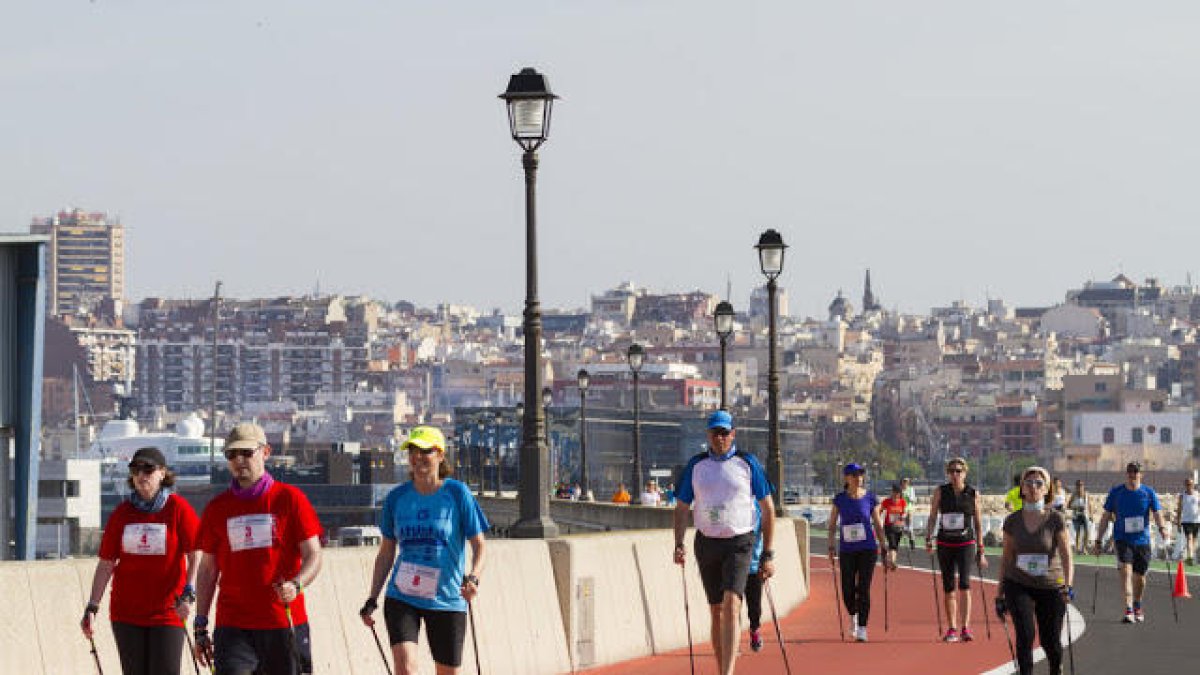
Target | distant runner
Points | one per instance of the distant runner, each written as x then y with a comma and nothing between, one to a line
895,521
954,510
1081,516
1188,517
1128,506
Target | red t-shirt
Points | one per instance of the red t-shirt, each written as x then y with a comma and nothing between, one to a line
256,543
893,511
150,551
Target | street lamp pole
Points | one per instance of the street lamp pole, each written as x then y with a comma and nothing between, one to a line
637,356
583,380
547,399
529,101
723,323
770,258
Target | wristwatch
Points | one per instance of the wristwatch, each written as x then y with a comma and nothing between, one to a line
472,578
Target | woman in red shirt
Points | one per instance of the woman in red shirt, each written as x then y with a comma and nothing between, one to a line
149,551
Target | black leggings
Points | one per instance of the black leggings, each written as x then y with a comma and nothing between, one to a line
1045,606
754,600
857,569
956,560
148,650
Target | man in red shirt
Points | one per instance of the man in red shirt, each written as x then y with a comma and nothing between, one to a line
262,538
895,521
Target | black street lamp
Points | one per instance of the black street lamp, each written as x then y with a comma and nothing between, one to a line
723,323
637,356
498,437
770,258
584,381
529,101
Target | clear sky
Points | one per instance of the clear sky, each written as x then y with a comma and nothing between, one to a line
959,149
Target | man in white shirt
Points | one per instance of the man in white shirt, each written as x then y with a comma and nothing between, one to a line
728,494
1187,514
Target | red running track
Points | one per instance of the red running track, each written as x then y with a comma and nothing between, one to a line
810,632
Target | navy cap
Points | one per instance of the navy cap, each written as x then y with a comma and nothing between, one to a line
720,420
148,455
853,468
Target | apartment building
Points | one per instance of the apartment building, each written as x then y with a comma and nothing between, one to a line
85,261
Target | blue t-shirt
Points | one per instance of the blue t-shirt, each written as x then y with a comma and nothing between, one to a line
1132,507
431,533
856,530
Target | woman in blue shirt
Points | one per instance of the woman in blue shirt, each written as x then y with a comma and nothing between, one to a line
855,517
429,521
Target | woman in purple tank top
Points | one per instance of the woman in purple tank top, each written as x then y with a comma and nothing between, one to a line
857,528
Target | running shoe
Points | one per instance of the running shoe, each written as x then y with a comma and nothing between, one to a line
1139,615
756,640
1128,616
853,623
861,634
950,636
966,635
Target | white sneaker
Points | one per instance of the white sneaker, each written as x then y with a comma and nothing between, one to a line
861,634
854,624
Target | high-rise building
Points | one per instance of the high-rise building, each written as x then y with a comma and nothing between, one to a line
85,264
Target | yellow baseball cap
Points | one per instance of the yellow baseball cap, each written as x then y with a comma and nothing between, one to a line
425,437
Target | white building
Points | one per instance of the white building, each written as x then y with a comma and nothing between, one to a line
68,507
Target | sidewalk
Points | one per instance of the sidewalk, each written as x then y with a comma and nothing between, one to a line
911,644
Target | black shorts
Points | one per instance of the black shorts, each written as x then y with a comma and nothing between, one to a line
724,564
444,630
955,560
1137,555
263,652
148,650
893,534
1190,529
1081,524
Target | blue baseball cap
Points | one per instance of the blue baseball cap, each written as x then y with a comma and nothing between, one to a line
720,420
853,468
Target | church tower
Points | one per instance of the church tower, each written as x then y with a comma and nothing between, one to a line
869,304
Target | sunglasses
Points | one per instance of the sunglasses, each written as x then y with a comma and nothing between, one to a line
143,468
957,469
244,453
1035,482
720,432
424,451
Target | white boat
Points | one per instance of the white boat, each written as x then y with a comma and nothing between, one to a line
187,451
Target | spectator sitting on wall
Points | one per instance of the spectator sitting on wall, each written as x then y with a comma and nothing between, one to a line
621,496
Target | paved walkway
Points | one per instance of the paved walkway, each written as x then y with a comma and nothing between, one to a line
909,645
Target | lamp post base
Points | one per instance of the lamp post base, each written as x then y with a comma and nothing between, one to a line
536,528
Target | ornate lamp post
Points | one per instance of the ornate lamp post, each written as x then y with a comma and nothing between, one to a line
723,323
547,399
770,258
529,102
636,356
584,381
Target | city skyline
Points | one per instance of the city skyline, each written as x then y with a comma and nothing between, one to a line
958,152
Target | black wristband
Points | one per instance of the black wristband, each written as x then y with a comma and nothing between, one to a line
472,578
369,606
767,555
200,622
92,608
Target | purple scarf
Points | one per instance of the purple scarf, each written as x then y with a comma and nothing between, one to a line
254,491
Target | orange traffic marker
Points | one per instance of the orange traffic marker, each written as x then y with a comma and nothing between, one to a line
1181,586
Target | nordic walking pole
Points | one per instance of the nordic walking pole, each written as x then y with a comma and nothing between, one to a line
95,655
191,650
1000,610
987,620
937,608
775,620
687,619
474,639
885,593
1070,638
379,645
1171,590
837,597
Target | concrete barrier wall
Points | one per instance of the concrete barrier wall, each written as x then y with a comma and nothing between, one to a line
621,596
594,599
579,517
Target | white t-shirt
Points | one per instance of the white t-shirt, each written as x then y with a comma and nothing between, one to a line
650,499
1189,507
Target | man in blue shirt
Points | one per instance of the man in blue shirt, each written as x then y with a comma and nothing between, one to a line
729,495
1129,506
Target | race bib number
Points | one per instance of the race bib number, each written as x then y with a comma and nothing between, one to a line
855,533
1034,564
418,581
954,521
1134,524
715,515
250,531
895,518
144,539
